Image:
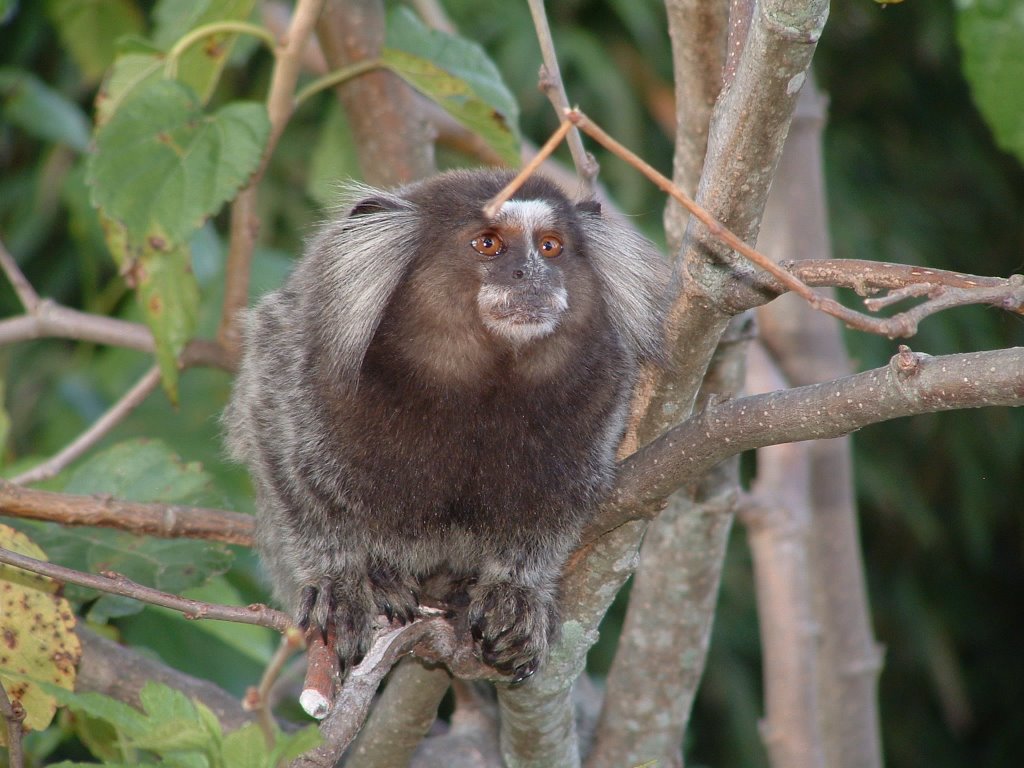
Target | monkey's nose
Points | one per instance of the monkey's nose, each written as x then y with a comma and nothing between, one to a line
518,274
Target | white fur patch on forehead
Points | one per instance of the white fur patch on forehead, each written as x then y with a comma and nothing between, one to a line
526,215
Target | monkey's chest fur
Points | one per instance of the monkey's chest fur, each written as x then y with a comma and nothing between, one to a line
447,475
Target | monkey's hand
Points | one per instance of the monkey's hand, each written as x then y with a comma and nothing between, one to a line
341,609
344,609
511,624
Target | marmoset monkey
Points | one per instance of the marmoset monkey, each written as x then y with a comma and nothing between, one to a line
437,393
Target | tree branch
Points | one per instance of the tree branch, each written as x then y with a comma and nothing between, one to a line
807,349
778,517
911,384
402,716
164,520
13,715
116,584
681,562
697,29
432,638
395,145
22,288
128,403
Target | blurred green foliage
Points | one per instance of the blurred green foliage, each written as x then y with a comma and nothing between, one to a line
914,176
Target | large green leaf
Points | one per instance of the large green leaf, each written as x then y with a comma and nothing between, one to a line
145,471
991,35
90,29
37,108
162,165
201,65
38,634
183,731
459,76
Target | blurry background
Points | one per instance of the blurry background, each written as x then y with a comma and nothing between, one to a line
914,176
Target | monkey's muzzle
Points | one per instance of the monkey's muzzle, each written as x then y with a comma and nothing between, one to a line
521,314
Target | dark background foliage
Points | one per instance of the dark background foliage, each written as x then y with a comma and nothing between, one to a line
913,176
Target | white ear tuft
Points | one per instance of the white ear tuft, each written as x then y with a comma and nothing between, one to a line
351,269
634,277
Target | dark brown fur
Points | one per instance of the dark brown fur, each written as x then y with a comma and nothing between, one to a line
394,436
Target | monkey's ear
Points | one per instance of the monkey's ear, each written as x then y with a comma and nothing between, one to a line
350,271
633,278
375,204
589,206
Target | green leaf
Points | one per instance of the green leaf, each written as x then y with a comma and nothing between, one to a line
131,70
145,471
162,166
288,747
459,76
124,718
245,748
173,722
991,36
90,30
199,67
40,110
334,157
169,296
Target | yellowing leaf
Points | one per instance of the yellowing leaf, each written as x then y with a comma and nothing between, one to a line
37,635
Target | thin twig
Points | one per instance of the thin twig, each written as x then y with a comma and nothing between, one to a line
215,28
903,324
163,520
26,293
117,584
14,715
258,699
117,412
49,319
494,204
869,277
553,87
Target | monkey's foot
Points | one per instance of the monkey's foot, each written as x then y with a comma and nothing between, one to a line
395,595
345,608
511,625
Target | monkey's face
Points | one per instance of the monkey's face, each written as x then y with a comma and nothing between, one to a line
522,256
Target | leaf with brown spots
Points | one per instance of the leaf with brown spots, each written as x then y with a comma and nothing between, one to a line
38,638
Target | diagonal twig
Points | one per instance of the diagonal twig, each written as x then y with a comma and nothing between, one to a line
117,584
26,293
903,324
117,412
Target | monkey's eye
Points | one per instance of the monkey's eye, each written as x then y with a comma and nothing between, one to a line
488,244
550,246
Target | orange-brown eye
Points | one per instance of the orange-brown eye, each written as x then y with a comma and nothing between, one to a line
550,246
488,244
